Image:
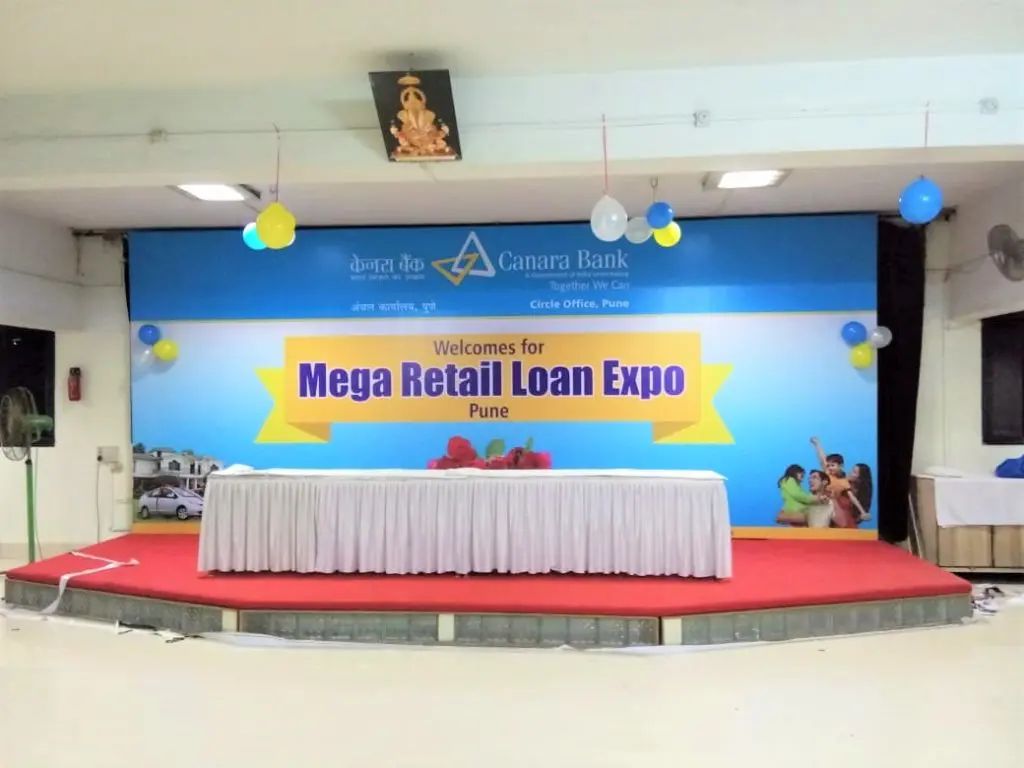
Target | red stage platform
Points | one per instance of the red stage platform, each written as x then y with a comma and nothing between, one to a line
769,574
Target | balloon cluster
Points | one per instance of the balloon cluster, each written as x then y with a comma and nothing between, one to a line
155,348
274,228
863,343
610,222
921,201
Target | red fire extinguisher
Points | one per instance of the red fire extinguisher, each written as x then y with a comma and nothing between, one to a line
75,385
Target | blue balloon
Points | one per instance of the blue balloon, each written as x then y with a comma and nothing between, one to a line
854,333
149,335
659,215
921,201
252,238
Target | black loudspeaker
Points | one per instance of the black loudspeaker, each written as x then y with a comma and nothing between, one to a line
28,359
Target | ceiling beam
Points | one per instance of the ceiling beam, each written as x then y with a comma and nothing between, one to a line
530,127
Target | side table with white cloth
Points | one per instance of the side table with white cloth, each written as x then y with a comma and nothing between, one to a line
970,522
645,523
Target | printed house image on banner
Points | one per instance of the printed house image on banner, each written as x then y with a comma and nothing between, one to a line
416,112
165,466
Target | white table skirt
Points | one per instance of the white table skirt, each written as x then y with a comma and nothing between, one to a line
978,500
467,521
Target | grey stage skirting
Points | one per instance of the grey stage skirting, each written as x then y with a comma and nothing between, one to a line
467,521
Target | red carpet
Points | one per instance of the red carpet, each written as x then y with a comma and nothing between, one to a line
768,574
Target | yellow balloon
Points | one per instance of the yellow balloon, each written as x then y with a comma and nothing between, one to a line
276,226
862,356
668,236
166,350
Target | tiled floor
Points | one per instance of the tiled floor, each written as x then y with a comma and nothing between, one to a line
83,696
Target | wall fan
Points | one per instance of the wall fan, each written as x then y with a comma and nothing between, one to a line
22,427
1007,252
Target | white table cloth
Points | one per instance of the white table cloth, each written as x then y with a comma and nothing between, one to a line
963,499
467,521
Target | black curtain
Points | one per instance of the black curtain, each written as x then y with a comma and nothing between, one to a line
901,277
127,274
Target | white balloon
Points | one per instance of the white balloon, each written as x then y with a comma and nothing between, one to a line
143,360
144,357
638,230
880,337
608,220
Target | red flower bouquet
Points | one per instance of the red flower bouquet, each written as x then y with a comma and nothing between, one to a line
461,454
461,450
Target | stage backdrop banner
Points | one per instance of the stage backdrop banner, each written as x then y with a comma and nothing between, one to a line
370,348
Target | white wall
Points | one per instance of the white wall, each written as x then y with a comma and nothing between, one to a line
949,405
979,290
49,280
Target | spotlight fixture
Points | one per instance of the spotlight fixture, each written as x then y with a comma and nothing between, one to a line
744,179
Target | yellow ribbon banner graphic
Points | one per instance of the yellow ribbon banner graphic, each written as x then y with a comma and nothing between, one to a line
653,377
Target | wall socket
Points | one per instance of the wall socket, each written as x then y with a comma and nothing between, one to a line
110,455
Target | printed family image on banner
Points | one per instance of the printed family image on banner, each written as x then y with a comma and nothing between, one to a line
516,347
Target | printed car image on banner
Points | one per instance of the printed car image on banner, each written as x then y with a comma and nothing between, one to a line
371,348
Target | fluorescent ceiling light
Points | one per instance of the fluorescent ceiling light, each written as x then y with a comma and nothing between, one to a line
213,193
745,179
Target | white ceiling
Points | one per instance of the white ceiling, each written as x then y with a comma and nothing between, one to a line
59,45
222,53
556,199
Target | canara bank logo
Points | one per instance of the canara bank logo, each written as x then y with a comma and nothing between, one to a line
472,261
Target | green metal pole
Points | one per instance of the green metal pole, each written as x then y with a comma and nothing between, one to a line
30,497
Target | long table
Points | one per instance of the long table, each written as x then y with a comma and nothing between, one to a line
646,523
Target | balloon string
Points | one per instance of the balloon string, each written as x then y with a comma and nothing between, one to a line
604,149
927,121
277,167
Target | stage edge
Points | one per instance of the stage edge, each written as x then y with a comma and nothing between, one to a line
504,630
